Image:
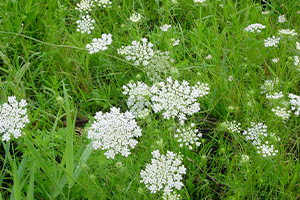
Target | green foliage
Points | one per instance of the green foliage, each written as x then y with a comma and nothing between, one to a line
43,60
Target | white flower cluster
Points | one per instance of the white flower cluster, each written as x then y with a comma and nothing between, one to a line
159,66
177,100
269,88
257,134
287,32
164,173
199,1
171,196
174,42
85,6
275,95
114,132
281,19
138,100
298,46
165,27
244,158
233,126
99,44
13,118
272,41
135,17
85,25
296,61
281,112
138,52
295,103
266,150
255,28
103,3
188,136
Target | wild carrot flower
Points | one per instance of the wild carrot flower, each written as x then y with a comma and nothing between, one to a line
281,112
266,150
85,25
177,100
298,46
164,173
114,132
85,6
99,44
13,118
271,41
295,103
174,42
281,19
138,100
103,3
287,32
188,136
199,1
255,28
296,61
165,27
138,52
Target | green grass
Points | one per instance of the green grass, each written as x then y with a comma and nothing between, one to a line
43,60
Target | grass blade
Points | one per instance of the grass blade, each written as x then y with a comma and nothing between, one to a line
69,139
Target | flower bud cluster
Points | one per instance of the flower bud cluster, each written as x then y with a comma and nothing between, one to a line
163,173
138,100
114,132
13,118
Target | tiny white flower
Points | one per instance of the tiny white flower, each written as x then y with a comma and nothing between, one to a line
188,136
281,19
275,60
103,3
287,32
174,42
281,112
298,46
295,103
208,57
165,27
135,17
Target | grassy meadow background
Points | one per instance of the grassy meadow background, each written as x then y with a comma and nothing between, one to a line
44,61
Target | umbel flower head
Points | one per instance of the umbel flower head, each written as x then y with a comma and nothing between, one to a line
138,52
255,28
13,118
85,6
177,100
114,132
138,100
86,24
164,173
99,44
188,136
